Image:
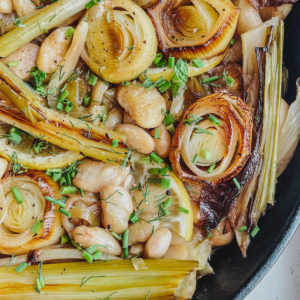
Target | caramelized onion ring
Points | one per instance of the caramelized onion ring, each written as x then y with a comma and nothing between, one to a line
225,142
121,41
201,30
16,236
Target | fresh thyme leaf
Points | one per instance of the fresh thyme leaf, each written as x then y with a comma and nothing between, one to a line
85,279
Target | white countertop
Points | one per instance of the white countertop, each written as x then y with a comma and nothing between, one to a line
282,282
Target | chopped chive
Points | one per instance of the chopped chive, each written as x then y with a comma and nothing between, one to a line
134,218
254,231
69,32
91,3
211,168
156,133
63,96
64,239
81,192
125,83
210,79
117,236
242,228
17,195
37,226
86,101
125,243
202,131
87,256
13,64
124,162
93,80
14,136
158,59
214,119
21,267
154,180
97,255
92,249
195,158
76,245
68,190
171,62
163,171
236,183
166,183
69,106
56,177
192,119
115,143
156,158
232,42
168,120
197,63
166,204
130,47
64,212
153,171
59,202
184,210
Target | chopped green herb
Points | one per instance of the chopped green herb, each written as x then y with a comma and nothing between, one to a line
13,64
166,183
37,226
184,210
171,62
93,80
146,159
64,239
115,143
148,83
162,84
68,190
197,63
125,83
87,256
168,120
192,119
214,119
17,195
236,183
159,61
206,154
134,217
86,100
254,231
202,131
232,42
210,79
117,236
195,158
14,135
242,228
156,133
211,168
229,81
125,243
92,3
69,32
64,212
125,161
156,158
19,23
21,267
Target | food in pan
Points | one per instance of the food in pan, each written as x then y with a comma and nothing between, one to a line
136,138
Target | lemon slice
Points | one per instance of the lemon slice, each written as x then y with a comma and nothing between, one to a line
150,198
24,153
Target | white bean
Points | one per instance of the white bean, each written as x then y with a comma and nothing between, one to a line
163,142
24,8
176,239
115,117
136,250
53,50
141,231
89,236
6,6
24,58
92,175
137,138
144,106
158,244
179,252
116,205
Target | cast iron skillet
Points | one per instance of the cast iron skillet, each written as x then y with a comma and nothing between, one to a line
234,276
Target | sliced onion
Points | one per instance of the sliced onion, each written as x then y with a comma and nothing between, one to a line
226,144
290,134
281,11
201,29
82,209
68,64
16,236
121,41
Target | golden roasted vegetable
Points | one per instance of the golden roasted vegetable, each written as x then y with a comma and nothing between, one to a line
121,41
202,29
29,221
213,139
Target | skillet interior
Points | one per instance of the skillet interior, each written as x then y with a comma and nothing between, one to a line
235,277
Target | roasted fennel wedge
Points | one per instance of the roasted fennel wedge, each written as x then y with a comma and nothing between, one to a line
161,279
